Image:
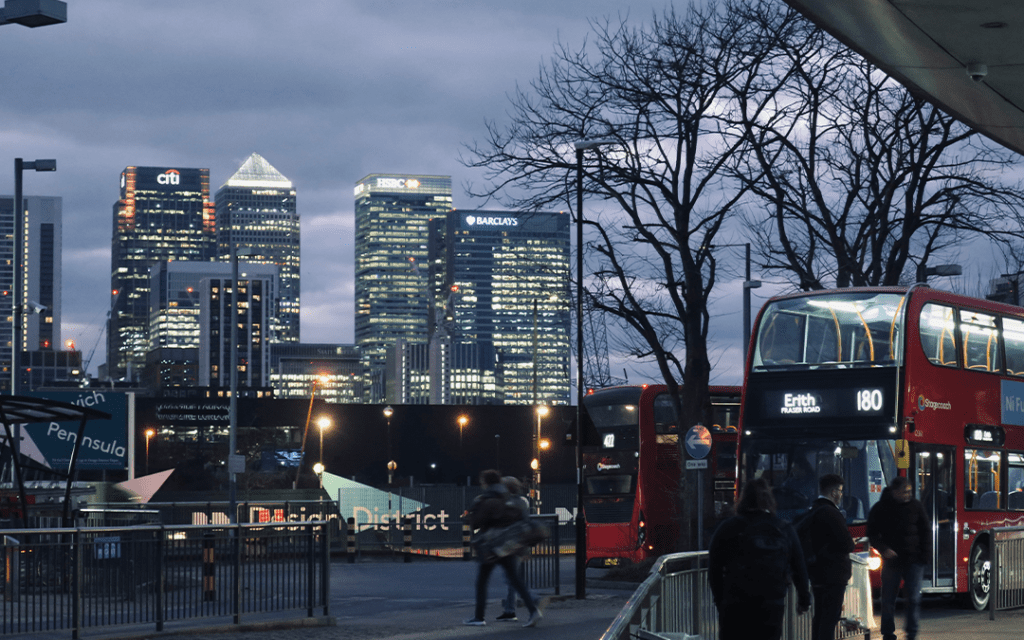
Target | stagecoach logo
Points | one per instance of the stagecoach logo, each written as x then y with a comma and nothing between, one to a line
607,466
924,403
800,403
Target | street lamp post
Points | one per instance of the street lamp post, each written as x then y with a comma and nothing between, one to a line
323,423
463,420
305,430
542,411
581,527
392,465
149,434
34,13
748,284
18,270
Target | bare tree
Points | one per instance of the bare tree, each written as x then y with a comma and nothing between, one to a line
666,96
859,182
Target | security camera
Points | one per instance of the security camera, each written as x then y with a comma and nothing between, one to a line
977,71
35,307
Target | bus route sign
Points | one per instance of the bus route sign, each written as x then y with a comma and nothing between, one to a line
698,441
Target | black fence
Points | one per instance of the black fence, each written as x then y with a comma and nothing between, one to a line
75,579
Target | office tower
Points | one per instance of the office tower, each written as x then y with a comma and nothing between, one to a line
502,277
391,288
256,209
252,311
176,294
335,369
163,214
40,282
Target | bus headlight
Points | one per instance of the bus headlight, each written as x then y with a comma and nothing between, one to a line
874,561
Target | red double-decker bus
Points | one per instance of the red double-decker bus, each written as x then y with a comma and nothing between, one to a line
871,383
632,466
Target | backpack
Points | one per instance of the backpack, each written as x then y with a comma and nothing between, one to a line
803,526
760,567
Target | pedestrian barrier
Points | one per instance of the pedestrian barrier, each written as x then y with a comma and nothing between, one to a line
407,539
467,535
675,602
350,544
74,579
1006,573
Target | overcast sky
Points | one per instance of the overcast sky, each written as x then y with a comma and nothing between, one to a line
326,91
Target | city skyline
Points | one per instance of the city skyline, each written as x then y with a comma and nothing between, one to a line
326,92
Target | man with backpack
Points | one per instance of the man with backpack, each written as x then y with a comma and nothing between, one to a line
827,545
495,508
753,558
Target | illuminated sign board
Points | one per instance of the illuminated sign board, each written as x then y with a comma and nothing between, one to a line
804,403
171,176
165,179
491,221
390,184
104,442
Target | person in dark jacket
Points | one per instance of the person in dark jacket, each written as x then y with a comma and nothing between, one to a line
487,512
751,603
898,528
831,545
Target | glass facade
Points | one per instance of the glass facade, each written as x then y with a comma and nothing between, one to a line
162,214
256,209
391,271
502,278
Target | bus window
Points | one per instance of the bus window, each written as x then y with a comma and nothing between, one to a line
609,485
1013,342
937,335
981,484
1015,481
665,420
980,340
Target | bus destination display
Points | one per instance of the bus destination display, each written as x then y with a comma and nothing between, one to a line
868,401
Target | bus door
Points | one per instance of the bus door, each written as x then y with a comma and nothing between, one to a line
932,476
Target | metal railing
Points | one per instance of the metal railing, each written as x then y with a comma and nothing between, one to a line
1006,586
675,601
73,579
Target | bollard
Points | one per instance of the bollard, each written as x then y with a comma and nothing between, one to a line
467,551
407,538
350,543
209,569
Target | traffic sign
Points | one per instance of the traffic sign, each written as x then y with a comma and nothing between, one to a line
696,464
698,441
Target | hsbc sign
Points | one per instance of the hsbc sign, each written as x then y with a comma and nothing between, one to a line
171,176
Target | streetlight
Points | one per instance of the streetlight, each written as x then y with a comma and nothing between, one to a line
18,270
236,463
318,469
463,421
938,270
581,527
748,284
392,465
34,13
541,411
149,434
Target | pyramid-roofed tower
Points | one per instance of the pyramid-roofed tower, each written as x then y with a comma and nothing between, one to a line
257,172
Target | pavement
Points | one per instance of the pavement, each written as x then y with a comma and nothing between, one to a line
430,599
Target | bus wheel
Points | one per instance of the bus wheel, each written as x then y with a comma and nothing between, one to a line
980,576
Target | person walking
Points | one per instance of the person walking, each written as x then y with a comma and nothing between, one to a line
515,490
487,512
898,528
752,559
828,558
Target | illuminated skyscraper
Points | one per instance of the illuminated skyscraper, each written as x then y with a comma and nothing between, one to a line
391,275
256,209
501,278
162,214
40,285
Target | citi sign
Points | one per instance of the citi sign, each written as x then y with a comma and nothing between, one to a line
492,221
171,176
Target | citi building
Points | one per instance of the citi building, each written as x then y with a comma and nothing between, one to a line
163,214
